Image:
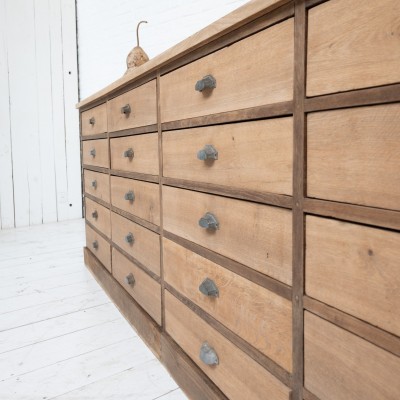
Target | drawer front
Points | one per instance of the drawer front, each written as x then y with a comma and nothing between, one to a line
94,121
146,203
137,153
97,185
356,269
139,242
244,78
141,102
338,57
259,316
342,366
99,247
98,216
354,156
254,155
266,246
145,290
95,152
237,375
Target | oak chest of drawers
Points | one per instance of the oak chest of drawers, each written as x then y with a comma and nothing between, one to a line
242,201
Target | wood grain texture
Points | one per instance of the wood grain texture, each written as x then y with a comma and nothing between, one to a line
237,375
146,245
339,365
354,268
99,114
247,82
252,312
266,247
101,188
251,155
146,204
103,251
338,59
102,220
101,159
145,157
134,131
142,101
145,290
354,156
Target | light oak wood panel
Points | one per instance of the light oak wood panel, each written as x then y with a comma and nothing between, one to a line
98,117
145,290
354,268
97,184
146,204
259,316
255,155
353,156
145,246
101,157
102,220
237,375
244,77
342,366
142,101
353,45
103,251
256,235
145,153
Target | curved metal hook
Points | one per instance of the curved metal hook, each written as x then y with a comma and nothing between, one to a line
137,31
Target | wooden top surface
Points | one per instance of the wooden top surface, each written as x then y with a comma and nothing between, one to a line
230,22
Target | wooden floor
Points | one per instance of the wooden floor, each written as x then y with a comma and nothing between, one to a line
60,336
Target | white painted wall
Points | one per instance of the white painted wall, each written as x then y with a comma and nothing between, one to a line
107,32
39,128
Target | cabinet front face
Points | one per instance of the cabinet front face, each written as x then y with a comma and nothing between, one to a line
95,153
243,77
94,121
98,216
97,185
99,247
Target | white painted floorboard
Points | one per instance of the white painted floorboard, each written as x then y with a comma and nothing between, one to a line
60,335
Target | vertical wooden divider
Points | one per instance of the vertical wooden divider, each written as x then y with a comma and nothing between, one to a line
109,185
298,197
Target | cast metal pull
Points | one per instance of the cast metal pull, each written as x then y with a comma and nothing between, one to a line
92,152
95,244
208,82
95,214
209,288
129,196
126,109
94,184
129,238
92,121
129,153
209,221
130,279
208,152
208,354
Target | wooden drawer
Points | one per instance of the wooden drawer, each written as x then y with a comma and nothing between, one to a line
146,203
142,104
254,155
99,247
266,245
356,269
145,246
354,156
98,216
244,77
95,152
137,153
145,290
237,375
94,121
259,316
352,45
342,366
97,185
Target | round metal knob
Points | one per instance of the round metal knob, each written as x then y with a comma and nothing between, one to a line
94,184
92,152
130,279
129,238
95,244
208,354
209,221
129,196
208,82
126,109
209,288
129,153
95,214
92,121
208,152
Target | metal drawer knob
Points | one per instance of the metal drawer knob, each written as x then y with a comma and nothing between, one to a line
209,288
208,82
209,221
130,279
94,184
92,121
129,196
208,354
129,153
92,152
208,152
95,214
129,238
126,109
95,244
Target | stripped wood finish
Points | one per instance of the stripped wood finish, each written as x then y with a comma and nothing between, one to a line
98,216
94,121
100,247
97,185
95,152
